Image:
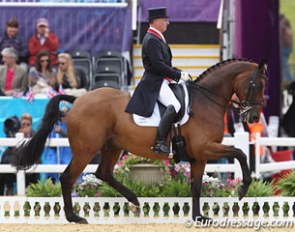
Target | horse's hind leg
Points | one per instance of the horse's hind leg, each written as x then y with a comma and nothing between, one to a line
109,157
67,180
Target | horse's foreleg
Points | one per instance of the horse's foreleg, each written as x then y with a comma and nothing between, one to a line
105,173
216,151
197,171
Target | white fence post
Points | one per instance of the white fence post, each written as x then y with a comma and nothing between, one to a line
21,183
20,176
241,142
257,155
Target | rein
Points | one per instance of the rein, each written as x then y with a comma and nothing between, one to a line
200,87
244,106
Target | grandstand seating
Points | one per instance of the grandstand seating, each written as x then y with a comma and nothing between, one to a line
110,64
83,65
111,80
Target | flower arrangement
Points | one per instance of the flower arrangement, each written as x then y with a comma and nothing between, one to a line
177,183
89,187
213,187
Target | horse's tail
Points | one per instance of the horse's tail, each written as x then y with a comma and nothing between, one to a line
28,154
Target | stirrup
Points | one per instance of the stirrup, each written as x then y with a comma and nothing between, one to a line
159,145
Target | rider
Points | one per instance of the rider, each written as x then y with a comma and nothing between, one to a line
156,58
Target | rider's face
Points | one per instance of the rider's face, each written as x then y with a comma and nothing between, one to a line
161,24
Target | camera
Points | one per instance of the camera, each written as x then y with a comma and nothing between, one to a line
11,126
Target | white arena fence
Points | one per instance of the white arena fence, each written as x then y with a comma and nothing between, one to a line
99,210
240,140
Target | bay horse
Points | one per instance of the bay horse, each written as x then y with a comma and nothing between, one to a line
98,122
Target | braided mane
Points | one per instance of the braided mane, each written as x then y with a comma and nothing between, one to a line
218,65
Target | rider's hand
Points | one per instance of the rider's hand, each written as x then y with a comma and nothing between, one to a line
185,76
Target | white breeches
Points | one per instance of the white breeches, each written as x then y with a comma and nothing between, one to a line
167,97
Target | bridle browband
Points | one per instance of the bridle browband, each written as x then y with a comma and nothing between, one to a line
245,105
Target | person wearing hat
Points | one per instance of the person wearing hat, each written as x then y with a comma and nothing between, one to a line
43,40
153,87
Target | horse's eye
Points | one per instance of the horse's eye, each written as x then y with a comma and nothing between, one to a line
244,104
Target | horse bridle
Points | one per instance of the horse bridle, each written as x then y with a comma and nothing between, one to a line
244,106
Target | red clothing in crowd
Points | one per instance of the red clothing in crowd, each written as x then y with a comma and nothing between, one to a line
9,77
51,45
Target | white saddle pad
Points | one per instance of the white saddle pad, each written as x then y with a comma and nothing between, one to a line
154,120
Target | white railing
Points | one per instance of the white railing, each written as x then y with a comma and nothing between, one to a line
99,210
240,140
266,141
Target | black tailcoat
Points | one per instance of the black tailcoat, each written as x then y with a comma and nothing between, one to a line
156,58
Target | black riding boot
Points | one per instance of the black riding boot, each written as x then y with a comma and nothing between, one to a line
164,127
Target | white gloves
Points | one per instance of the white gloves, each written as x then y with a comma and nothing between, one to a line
185,76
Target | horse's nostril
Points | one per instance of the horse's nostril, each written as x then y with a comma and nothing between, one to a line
255,118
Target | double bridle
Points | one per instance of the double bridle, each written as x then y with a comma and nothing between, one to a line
244,106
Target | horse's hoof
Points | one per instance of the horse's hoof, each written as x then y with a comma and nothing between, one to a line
134,209
170,156
242,192
76,219
204,220
83,221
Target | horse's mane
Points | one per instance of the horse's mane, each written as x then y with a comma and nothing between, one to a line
218,65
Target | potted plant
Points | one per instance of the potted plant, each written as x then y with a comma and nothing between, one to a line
145,170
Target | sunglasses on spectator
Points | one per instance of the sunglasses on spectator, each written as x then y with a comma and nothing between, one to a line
25,124
61,63
43,61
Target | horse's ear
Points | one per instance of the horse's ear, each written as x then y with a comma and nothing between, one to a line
261,64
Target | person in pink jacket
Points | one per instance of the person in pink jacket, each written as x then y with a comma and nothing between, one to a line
43,40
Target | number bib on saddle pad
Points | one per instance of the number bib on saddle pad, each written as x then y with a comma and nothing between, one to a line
154,120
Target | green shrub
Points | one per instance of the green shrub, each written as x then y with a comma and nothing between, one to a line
44,189
176,188
259,188
287,184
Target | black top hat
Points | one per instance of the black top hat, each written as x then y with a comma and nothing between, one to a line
155,13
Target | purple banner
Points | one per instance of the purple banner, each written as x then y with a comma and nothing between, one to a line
184,10
83,28
257,36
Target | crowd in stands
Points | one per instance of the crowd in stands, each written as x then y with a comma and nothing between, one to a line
36,65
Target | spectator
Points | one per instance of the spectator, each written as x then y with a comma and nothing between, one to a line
59,155
42,77
26,122
24,126
11,38
66,75
13,77
286,49
43,40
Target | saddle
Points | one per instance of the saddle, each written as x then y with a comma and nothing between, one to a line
181,93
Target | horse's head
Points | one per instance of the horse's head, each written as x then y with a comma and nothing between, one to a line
250,91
